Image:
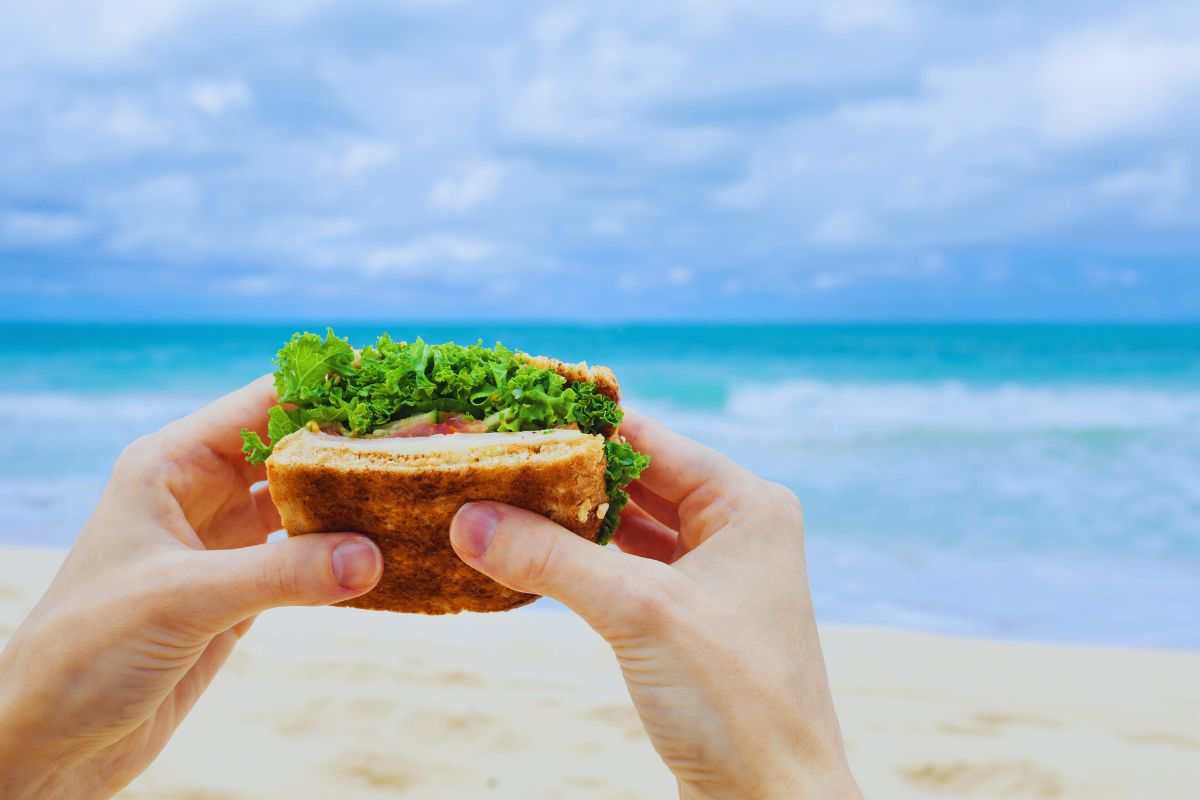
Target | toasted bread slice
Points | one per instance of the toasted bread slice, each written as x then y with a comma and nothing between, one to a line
604,378
404,492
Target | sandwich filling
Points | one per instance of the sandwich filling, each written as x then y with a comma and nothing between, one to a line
402,389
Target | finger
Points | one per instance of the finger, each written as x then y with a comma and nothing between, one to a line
225,587
265,512
529,553
253,473
244,522
639,534
678,465
219,424
655,506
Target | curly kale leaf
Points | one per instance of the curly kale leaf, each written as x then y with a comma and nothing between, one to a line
623,466
280,422
256,450
309,367
321,380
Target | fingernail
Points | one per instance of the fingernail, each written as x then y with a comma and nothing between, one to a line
474,529
356,563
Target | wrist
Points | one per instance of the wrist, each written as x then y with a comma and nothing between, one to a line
834,782
22,773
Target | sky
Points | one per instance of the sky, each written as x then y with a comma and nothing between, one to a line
851,159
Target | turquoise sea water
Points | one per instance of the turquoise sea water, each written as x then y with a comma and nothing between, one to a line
1017,481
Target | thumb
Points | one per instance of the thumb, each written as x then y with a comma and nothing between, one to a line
228,586
529,553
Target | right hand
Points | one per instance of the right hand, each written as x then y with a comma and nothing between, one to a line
707,609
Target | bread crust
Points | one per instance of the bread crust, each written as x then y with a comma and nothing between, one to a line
405,505
604,379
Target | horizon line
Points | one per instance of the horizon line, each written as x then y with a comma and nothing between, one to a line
610,323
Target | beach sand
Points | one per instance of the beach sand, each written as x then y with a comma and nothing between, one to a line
325,703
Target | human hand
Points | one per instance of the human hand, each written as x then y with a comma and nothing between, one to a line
165,577
708,611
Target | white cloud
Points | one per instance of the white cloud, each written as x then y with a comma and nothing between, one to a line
36,227
98,34
828,281
1157,191
849,15
75,33
253,285
679,276
120,120
1110,83
553,28
929,267
471,186
690,145
608,226
437,251
1112,277
336,227
159,216
844,227
356,159
623,68
217,97
744,193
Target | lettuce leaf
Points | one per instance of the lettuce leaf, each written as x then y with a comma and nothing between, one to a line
254,448
623,466
280,422
308,367
322,381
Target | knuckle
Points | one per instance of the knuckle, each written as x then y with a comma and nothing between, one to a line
781,509
540,565
785,497
140,458
648,605
161,577
162,583
652,599
712,505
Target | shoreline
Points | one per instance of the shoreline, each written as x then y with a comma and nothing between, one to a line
333,702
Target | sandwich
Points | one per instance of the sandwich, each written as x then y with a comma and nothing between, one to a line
391,440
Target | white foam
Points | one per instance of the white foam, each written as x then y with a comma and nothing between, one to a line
813,410
69,407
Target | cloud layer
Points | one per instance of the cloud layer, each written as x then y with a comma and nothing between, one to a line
865,159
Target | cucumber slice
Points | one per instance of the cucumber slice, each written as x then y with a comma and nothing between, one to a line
400,425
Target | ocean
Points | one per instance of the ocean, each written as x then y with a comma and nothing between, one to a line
1022,482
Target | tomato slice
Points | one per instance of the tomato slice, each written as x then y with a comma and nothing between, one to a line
424,425
460,423
420,429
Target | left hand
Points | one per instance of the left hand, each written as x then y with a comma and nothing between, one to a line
165,577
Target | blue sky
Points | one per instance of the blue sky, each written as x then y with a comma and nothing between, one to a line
843,159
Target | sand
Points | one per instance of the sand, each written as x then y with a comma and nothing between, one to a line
338,703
